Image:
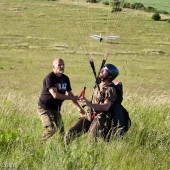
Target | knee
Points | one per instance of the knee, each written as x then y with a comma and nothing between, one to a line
50,129
48,132
70,136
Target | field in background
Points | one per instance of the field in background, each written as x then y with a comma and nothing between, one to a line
33,33
159,5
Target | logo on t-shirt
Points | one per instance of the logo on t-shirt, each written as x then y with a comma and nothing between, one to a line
61,86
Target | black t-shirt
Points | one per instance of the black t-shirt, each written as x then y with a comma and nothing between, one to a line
62,84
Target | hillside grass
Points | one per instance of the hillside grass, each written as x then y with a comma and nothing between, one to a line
145,145
32,34
159,5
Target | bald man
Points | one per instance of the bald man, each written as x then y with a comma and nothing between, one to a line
56,89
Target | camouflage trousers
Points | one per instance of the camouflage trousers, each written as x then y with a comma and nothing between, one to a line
99,127
52,121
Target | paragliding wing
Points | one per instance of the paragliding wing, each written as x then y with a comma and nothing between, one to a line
112,37
99,37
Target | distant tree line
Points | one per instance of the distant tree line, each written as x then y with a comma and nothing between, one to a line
118,5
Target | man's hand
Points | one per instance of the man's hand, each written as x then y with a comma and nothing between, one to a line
81,111
84,101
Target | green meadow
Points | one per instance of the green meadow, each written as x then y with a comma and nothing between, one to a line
159,5
35,32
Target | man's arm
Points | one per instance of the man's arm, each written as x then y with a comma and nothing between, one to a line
70,96
75,102
98,107
60,96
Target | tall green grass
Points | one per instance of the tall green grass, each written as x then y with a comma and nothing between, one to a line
145,146
32,34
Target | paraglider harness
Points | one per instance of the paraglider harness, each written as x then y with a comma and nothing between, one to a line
117,116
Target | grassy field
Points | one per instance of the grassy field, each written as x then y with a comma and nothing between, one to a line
159,5
35,32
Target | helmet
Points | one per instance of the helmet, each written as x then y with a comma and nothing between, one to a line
112,70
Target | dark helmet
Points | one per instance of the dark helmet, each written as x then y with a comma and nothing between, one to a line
112,70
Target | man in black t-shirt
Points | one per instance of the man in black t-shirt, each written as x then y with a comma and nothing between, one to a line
55,86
